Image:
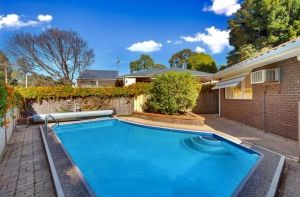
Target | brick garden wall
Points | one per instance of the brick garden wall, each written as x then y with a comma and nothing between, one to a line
273,108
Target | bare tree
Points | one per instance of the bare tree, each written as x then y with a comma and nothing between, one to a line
61,54
25,68
4,64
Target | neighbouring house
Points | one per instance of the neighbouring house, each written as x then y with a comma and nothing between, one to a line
149,75
97,78
264,91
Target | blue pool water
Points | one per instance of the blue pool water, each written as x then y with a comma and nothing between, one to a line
119,159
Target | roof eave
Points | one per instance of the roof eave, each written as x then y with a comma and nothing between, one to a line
286,52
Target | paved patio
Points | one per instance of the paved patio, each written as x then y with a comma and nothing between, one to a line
24,170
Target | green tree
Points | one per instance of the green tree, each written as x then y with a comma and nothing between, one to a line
145,62
134,66
180,59
159,66
202,62
173,93
262,24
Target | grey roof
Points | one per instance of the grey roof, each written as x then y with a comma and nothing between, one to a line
153,72
264,55
98,74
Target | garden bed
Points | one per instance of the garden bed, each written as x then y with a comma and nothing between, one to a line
185,119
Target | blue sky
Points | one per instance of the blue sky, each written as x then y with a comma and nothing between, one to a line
127,28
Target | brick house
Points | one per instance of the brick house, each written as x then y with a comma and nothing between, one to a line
264,91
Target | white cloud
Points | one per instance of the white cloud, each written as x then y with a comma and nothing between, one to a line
145,47
44,18
177,42
199,50
169,41
227,7
15,21
215,39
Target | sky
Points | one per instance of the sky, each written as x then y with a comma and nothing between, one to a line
126,29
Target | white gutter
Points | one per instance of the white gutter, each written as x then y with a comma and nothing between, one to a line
282,52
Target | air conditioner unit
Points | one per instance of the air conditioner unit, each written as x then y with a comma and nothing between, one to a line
266,75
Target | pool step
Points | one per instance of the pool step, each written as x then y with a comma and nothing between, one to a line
205,145
207,140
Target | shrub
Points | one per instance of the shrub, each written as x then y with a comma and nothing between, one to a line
173,93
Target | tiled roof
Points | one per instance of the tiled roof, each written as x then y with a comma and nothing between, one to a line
153,72
98,74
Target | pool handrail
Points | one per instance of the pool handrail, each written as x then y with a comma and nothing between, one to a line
46,122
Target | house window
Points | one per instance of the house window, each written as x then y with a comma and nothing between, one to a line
242,91
265,75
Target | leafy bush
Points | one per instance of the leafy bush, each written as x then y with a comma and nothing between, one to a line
173,93
9,98
38,93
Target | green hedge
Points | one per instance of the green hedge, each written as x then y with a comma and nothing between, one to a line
38,93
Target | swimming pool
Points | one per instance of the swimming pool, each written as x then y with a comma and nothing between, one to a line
118,158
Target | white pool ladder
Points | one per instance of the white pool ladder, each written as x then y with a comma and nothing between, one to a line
46,122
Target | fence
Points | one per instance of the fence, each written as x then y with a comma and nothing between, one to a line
207,102
122,105
139,102
7,130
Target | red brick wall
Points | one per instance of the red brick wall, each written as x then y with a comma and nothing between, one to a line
273,108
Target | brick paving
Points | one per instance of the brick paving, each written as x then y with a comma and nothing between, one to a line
24,170
290,185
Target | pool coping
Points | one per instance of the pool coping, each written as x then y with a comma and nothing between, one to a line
277,176
57,184
272,189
